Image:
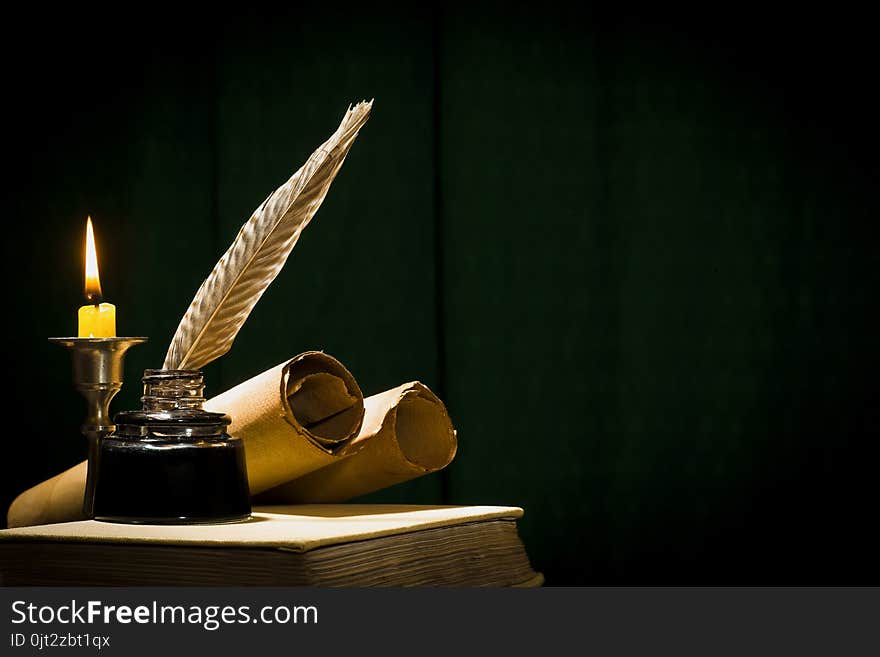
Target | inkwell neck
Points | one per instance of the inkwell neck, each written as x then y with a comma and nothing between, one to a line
168,390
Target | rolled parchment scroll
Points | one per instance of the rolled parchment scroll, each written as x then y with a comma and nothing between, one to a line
58,499
309,436
406,433
294,418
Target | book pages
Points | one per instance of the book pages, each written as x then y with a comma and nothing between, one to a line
296,528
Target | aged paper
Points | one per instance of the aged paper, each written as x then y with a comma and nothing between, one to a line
309,436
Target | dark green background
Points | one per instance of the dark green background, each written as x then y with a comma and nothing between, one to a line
635,255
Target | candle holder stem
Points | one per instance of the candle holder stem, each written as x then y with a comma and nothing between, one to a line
98,376
94,453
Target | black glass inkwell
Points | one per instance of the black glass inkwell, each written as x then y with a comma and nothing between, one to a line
171,462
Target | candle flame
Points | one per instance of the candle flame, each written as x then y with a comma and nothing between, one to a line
93,279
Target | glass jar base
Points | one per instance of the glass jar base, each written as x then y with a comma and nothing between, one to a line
171,463
171,482
122,520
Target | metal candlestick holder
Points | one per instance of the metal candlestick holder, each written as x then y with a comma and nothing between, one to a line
97,374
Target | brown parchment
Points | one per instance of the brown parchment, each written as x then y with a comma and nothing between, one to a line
309,437
293,418
406,433
58,499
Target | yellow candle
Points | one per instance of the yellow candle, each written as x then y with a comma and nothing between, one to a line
96,320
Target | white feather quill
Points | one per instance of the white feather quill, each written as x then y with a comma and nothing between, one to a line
259,251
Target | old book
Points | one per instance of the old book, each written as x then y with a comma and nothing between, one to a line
309,545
